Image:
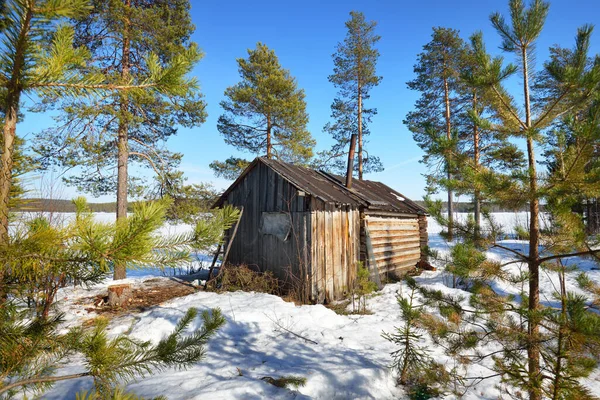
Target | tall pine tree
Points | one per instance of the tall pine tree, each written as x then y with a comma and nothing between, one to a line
38,57
104,137
265,113
567,87
354,75
435,121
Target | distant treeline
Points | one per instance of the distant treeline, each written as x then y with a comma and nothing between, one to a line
54,205
468,207
58,205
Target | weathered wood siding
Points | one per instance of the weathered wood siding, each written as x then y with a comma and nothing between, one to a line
322,245
424,236
396,243
335,238
264,191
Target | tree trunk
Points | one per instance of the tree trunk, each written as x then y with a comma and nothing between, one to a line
120,269
449,136
10,127
476,193
533,329
360,136
269,143
560,345
533,349
9,132
11,109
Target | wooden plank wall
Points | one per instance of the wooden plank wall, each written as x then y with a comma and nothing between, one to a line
322,248
335,235
263,190
396,243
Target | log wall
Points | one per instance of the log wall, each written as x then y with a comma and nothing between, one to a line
396,243
424,242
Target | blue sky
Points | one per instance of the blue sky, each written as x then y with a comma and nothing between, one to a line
304,35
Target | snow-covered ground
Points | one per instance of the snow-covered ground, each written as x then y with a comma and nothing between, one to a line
349,360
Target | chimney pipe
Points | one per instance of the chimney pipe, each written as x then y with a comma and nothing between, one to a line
350,161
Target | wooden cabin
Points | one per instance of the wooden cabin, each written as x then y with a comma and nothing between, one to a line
307,224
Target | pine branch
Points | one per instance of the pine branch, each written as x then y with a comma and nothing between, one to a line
576,254
45,379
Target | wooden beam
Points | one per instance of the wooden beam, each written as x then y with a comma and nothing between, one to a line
229,242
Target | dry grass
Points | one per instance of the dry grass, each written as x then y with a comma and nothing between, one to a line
233,278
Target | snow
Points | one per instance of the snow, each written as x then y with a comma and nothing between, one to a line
349,361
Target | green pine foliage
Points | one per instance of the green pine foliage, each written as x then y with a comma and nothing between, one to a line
264,113
189,202
208,231
542,349
230,169
148,41
108,360
466,260
465,325
362,288
411,359
41,258
354,75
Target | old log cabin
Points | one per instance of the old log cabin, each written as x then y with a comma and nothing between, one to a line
306,224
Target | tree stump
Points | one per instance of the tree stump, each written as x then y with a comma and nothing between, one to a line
119,295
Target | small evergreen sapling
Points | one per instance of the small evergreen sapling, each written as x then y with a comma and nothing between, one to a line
363,287
42,258
415,368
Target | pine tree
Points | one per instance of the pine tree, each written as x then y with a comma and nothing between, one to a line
565,92
265,113
480,145
411,359
57,70
354,75
435,123
571,84
106,136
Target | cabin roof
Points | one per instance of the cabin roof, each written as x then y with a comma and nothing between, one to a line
331,188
